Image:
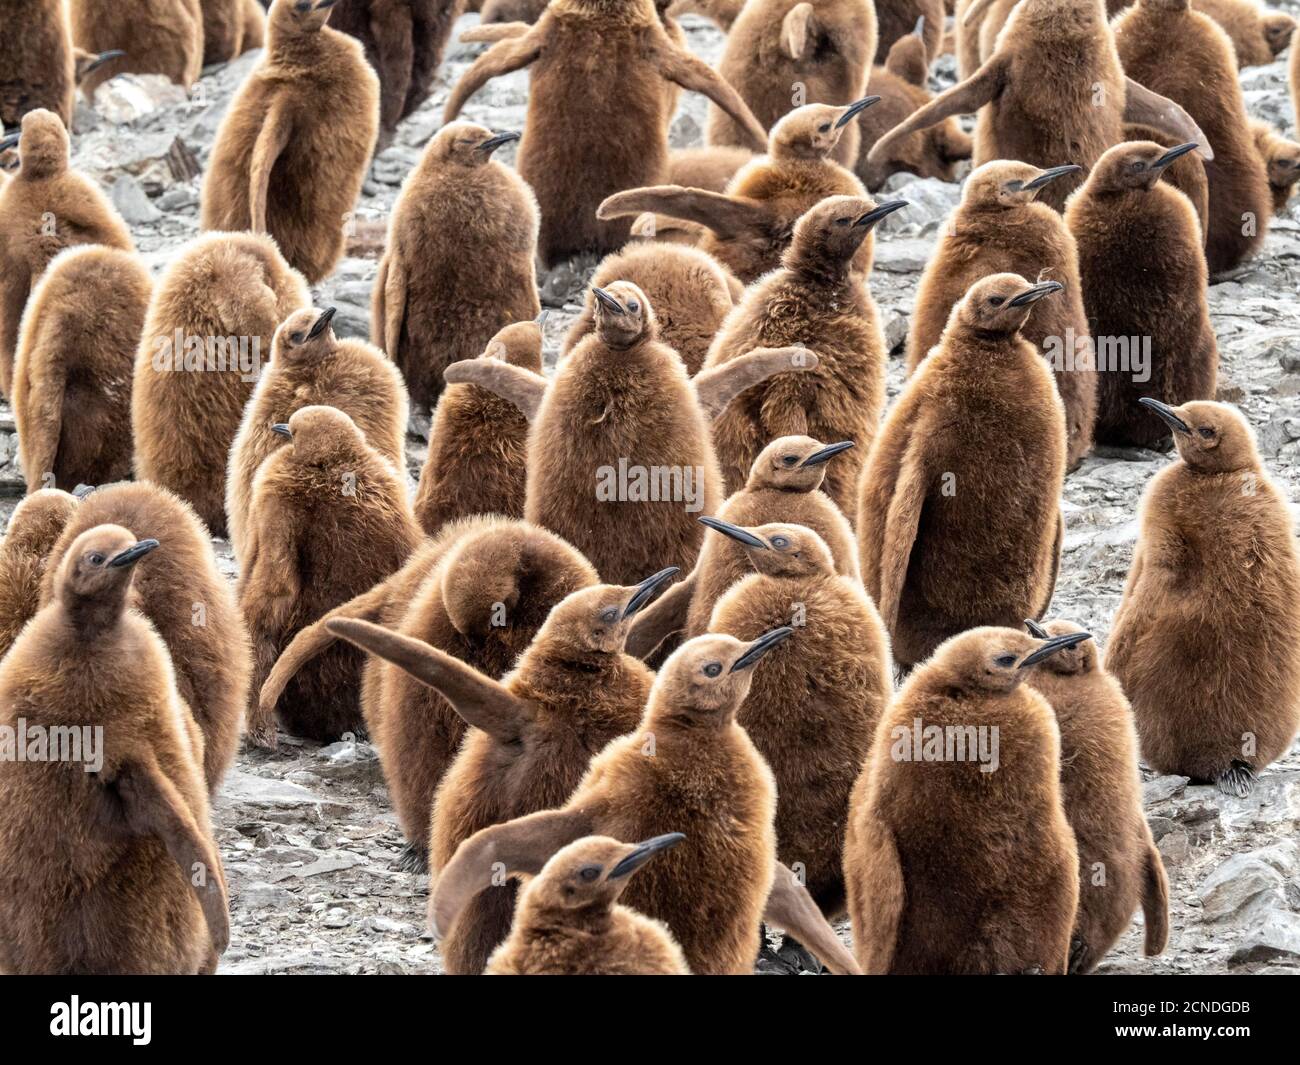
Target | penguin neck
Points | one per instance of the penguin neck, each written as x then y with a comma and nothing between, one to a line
569,923
568,661
290,46
92,617
817,266
627,12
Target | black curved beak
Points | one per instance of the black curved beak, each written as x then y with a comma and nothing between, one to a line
1051,174
1054,644
1036,630
1166,414
282,428
325,5
322,323
607,301
102,58
645,591
855,108
760,647
10,141
643,853
1172,154
541,318
742,536
872,217
1034,293
132,554
493,143
826,453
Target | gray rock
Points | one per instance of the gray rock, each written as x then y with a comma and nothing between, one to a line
132,203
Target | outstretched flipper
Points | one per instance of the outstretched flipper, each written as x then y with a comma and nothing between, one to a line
487,858
490,33
799,24
504,57
789,906
885,894
1151,109
719,385
1155,903
484,703
901,522
521,387
271,141
695,75
661,619
728,216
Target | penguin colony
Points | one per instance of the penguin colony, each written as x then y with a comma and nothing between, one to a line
694,635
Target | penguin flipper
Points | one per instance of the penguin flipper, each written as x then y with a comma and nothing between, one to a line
504,57
799,24
1151,109
901,523
717,386
521,387
693,74
728,216
268,566
1155,901
789,906
493,32
1057,546
394,305
484,703
37,399
271,141
662,618
885,892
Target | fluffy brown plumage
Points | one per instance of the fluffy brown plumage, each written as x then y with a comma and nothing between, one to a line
1257,36
156,36
34,527
1281,162
36,60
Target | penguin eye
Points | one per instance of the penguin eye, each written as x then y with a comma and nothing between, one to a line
789,460
1005,661
780,542
713,669
825,127
588,873
298,338
1206,432
843,221
95,558
609,616
633,306
997,301
1138,166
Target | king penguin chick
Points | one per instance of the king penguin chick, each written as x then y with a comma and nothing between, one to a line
569,921
1150,291
1258,37
34,527
963,787
151,36
107,867
1119,866
428,312
977,436
71,387
36,60
291,154
1204,639
531,734
1281,160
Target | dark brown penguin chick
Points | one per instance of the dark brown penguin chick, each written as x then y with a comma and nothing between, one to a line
748,227
107,862
1056,93
812,710
291,154
1186,173
1186,56
710,167
1000,228
478,443
188,602
571,155
1258,36
71,387
224,23
531,734
820,300
1119,866
900,19
480,591
209,331
901,83
621,422
977,435
690,290
36,64
569,922
1281,161
34,527
254,25
689,764
1145,298
780,54
328,519
154,36
44,208
1204,639
427,312
309,365
963,787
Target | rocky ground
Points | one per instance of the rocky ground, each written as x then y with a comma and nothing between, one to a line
307,833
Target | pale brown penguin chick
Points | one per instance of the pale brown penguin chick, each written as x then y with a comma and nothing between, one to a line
1258,36
109,866
900,19
152,36
1204,639
1281,160
36,60
35,525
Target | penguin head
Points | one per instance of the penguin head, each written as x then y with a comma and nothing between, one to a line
98,567
794,464
43,145
706,679
1081,658
813,131
992,659
305,334
597,620
591,873
321,435
467,144
37,522
1212,437
777,549
519,344
1282,158
623,314
829,233
1134,165
299,16
1001,303
1007,183
1278,28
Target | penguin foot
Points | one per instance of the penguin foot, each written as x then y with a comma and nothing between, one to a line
797,956
1033,970
411,860
770,963
1078,955
1238,779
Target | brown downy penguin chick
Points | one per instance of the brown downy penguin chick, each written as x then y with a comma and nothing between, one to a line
820,300
109,862
621,422
785,52
977,435
748,227
428,312
44,208
223,30
1258,37
1204,639
154,36
328,519
1186,173
34,527
901,83
900,19
480,591
210,328
309,365
1000,228
478,442
531,734
710,167
254,25
1054,62
812,710
1119,866
292,152
690,290
71,387
1150,291
963,787
975,33
569,922
189,603
691,765
571,155
36,64
1185,55
1281,160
